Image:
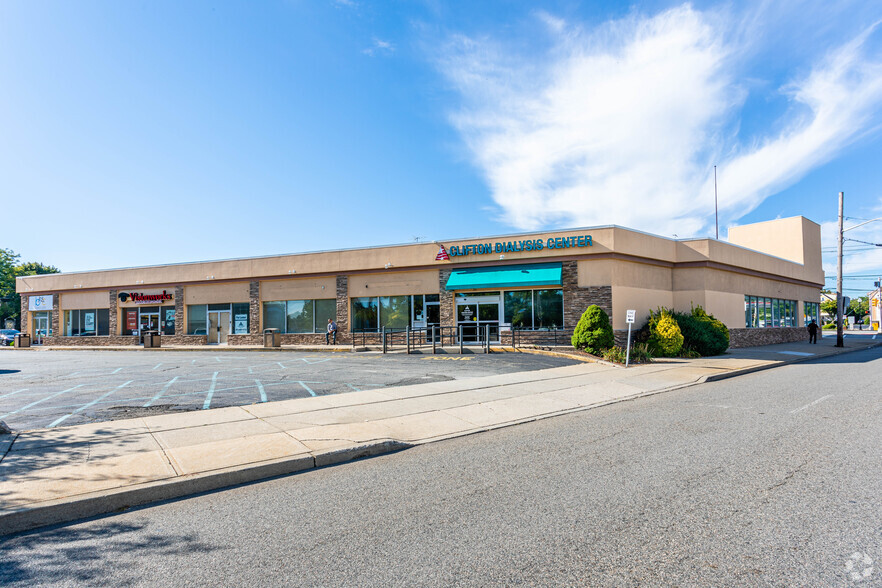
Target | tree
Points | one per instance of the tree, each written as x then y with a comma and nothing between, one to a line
10,302
828,307
859,307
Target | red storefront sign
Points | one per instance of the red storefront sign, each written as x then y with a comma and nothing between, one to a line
132,320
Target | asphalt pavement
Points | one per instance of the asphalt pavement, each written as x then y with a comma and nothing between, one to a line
767,479
51,388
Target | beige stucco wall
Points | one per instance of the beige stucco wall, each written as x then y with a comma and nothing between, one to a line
217,294
394,284
85,300
640,299
298,289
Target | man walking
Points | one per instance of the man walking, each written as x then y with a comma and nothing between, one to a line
332,330
813,332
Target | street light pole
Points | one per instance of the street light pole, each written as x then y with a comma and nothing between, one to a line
839,339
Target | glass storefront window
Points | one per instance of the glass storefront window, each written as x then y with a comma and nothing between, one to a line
299,317
548,308
86,323
241,318
518,309
365,315
274,315
197,319
167,320
769,312
394,312
324,310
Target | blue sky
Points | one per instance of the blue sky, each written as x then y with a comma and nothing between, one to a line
136,133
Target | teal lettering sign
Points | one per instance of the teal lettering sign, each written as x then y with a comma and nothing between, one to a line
520,246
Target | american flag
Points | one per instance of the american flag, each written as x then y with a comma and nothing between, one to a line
442,255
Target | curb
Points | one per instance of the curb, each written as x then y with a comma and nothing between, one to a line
86,506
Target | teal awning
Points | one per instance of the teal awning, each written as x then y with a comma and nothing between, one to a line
506,276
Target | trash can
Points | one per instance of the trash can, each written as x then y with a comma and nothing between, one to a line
152,339
22,340
272,338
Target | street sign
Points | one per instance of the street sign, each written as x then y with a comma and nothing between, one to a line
632,315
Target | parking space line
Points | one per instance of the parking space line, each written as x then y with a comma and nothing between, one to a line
811,404
87,405
157,365
115,371
207,402
261,390
13,393
163,391
280,364
307,388
353,387
50,397
217,359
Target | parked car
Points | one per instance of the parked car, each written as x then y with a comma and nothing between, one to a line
7,336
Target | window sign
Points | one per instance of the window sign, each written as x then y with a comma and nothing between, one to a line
241,324
132,320
38,303
89,321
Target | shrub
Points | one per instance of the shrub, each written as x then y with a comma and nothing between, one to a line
594,333
829,327
702,333
616,354
665,338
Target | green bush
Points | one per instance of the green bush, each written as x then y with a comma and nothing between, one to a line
665,339
702,333
616,354
829,327
594,333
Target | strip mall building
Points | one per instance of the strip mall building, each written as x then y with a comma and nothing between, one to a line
764,284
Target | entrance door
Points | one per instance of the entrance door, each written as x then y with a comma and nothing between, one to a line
475,314
149,321
41,328
433,319
218,326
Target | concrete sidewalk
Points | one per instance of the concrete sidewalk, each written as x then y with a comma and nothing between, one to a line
56,475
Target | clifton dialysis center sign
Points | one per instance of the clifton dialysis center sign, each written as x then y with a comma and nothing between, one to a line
522,245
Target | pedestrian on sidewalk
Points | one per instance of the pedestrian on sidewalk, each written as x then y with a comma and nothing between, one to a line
813,332
332,330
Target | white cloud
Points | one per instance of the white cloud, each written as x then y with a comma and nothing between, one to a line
623,124
379,46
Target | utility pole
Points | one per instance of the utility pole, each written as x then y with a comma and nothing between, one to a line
839,309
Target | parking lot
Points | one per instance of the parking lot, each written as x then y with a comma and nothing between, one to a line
49,388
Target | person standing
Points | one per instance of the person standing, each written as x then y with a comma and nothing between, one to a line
332,330
813,332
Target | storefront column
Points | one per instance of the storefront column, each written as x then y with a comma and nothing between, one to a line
180,327
113,322
342,319
24,325
446,299
577,299
254,307
54,320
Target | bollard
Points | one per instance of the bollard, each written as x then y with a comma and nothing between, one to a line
460,339
434,341
407,338
384,339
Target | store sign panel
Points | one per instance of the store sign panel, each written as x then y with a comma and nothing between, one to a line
39,303
155,297
524,245
241,324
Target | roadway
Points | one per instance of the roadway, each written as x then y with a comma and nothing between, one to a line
772,478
